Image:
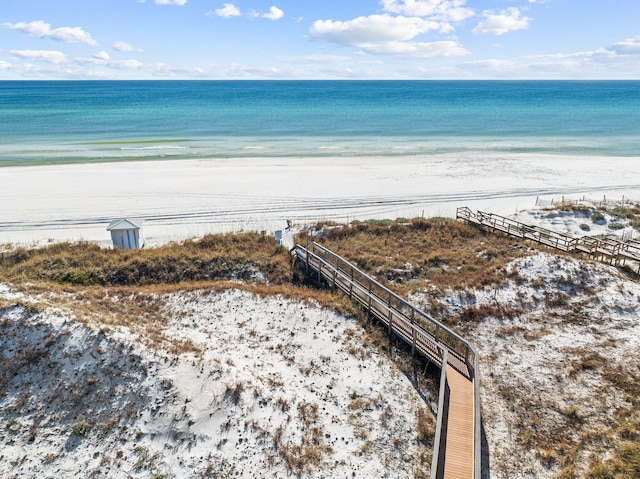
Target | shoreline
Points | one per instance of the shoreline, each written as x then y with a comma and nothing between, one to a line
181,199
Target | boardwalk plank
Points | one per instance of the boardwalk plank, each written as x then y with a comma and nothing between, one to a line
456,458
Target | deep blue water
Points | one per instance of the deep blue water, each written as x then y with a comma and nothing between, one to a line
60,121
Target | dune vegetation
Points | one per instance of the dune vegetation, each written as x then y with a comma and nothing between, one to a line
507,296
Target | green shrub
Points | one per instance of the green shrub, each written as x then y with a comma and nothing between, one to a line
80,428
616,226
585,227
383,222
597,217
619,211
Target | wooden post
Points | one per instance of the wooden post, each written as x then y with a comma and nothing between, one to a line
307,255
369,305
351,284
390,319
413,333
413,343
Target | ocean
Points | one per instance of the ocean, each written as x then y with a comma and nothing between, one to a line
53,122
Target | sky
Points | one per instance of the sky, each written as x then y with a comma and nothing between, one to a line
319,39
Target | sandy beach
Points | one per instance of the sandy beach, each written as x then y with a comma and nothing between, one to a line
179,199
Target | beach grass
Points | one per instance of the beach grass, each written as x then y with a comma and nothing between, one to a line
439,251
248,257
118,287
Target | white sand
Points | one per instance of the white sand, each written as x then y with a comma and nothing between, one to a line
178,421
531,363
306,379
183,199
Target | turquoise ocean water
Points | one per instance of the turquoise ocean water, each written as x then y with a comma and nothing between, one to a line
44,122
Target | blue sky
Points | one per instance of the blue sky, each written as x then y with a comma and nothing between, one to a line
320,39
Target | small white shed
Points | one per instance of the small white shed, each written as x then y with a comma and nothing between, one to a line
125,234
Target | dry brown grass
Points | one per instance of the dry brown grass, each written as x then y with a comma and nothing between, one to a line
303,456
246,256
426,427
441,252
126,288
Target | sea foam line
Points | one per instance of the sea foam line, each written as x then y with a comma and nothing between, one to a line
156,147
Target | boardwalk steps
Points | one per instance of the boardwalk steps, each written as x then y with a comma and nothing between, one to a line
457,453
608,250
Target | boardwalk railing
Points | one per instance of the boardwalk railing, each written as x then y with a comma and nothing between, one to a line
609,250
421,332
439,443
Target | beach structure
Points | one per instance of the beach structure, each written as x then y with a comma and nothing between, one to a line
125,234
457,444
614,251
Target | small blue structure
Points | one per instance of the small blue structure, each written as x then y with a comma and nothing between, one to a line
125,234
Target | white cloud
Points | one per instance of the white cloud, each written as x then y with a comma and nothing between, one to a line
323,57
236,70
102,56
41,29
49,56
171,2
125,64
228,10
507,20
4,65
105,60
618,53
156,69
631,46
417,49
124,47
274,13
447,10
611,62
386,35
165,70
372,29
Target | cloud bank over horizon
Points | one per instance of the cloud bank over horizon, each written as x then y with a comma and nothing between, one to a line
404,39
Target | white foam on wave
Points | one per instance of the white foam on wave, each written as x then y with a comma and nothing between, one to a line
156,147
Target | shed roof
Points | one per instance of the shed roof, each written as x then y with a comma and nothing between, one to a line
122,224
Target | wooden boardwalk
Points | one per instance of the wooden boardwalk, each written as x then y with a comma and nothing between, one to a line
608,250
458,460
457,443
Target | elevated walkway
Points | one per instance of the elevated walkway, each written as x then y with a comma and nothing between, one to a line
457,453
607,250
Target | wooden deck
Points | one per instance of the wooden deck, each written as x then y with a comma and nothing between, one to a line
457,442
458,460
608,250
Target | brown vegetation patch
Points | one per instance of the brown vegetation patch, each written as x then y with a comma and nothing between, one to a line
245,256
438,251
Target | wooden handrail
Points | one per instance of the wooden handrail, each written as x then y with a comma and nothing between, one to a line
400,317
611,249
436,463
